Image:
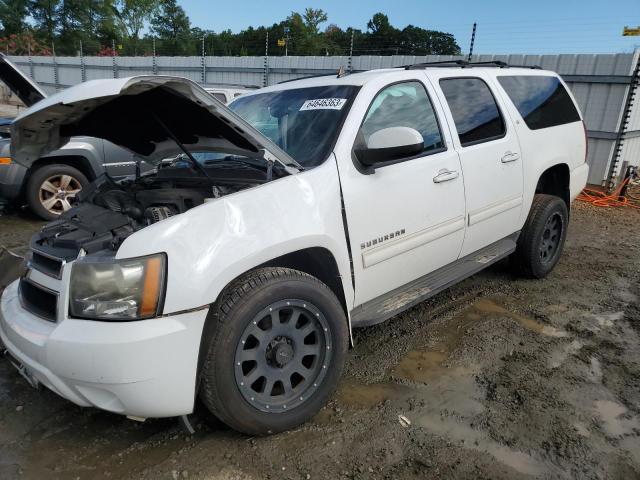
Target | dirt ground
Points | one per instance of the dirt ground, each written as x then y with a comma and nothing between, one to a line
498,377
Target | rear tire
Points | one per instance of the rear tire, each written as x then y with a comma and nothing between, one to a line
51,188
275,346
542,238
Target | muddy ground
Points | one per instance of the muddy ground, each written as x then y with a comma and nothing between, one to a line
499,377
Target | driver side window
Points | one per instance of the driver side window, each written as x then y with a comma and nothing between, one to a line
403,105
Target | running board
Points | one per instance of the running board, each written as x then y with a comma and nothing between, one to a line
391,304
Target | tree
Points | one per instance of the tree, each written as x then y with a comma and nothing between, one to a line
12,16
312,19
45,16
171,25
133,15
418,41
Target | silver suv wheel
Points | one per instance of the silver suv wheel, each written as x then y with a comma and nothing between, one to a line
57,191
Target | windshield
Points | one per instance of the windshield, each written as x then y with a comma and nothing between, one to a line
304,122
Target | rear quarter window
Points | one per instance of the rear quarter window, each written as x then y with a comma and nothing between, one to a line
541,101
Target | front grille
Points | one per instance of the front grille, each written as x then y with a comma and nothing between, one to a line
38,299
47,264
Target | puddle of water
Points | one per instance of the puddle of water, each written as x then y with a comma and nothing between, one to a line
486,305
420,366
368,396
450,427
559,355
614,423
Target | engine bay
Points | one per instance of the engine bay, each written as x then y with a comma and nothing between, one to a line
108,211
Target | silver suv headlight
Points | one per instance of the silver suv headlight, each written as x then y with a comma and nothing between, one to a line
127,289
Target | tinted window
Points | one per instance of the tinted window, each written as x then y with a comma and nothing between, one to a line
542,101
304,122
474,110
404,105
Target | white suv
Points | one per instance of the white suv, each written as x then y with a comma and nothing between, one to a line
235,273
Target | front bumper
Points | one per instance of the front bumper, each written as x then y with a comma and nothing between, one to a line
143,368
12,178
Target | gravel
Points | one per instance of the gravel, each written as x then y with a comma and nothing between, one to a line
497,377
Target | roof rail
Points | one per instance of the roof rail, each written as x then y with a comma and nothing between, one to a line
465,64
442,63
501,64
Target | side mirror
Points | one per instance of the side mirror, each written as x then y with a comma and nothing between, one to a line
390,144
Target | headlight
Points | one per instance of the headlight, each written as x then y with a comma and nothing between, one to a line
128,289
5,131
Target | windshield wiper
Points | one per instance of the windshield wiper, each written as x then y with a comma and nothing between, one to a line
194,162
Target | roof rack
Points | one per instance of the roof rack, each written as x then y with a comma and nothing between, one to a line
442,63
466,64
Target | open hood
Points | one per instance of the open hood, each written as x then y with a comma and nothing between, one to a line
22,86
144,114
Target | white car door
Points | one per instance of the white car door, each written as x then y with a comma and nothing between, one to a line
405,217
490,156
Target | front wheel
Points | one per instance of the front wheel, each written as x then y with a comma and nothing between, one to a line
51,189
542,238
275,347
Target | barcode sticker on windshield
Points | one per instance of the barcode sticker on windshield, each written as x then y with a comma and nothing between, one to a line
324,104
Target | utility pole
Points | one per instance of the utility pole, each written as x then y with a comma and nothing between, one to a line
473,39
286,41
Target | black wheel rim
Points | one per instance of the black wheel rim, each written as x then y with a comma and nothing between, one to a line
551,238
283,356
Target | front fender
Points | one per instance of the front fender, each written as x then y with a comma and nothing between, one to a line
214,243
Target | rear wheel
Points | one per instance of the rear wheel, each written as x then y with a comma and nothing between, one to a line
52,188
276,346
542,238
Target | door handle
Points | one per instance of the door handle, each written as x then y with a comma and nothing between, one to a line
510,157
445,175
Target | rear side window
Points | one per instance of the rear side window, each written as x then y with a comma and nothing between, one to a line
474,110
542,101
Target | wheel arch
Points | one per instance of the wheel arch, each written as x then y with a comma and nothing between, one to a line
82,163
555,180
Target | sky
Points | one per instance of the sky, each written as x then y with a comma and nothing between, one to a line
503,26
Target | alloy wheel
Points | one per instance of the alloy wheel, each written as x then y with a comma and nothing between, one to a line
56,192
551,238
283,356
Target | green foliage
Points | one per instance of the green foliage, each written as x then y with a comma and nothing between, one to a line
99,24
13,14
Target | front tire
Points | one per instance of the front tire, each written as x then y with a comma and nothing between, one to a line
542,238
51,188
275,346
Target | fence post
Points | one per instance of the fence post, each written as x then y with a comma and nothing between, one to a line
113,59
473,39
31,72
154,64
83,72
350,62
622,130
203,74
265,79
56,78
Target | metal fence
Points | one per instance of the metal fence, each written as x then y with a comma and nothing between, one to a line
603,85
